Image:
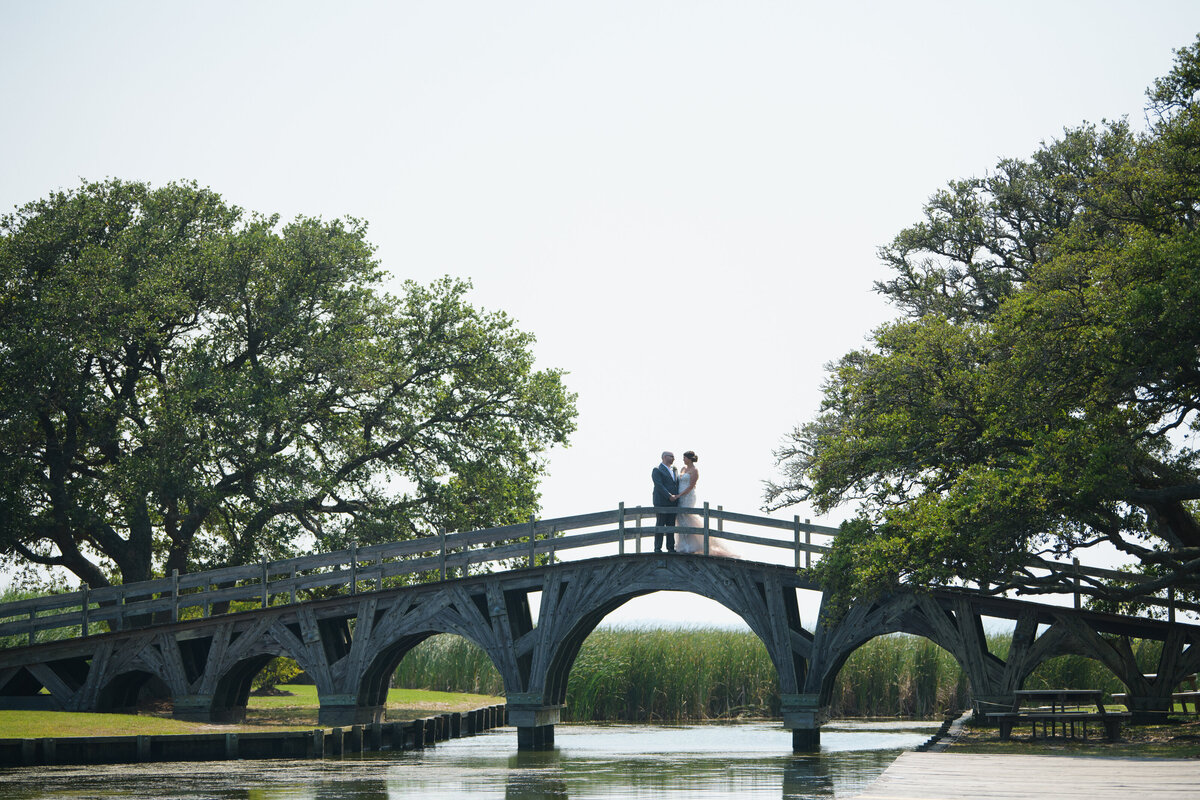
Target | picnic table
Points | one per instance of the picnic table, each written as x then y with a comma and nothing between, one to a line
1054,707
1184,698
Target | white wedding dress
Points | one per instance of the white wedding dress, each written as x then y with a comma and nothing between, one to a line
694,542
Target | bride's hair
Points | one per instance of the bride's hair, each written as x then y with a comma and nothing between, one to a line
692,455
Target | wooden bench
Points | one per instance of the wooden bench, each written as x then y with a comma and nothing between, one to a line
1050,720
1054,707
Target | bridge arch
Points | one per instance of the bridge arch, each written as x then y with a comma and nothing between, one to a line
910,614
123,692
575,598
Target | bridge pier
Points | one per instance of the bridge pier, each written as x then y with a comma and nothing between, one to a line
802,715
193,707
343,710
534,723
1148,710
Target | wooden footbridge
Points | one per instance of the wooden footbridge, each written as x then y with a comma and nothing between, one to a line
349,617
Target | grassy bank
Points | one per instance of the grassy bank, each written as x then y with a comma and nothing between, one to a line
297,710
707,673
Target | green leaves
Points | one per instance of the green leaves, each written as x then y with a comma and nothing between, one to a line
188,386
1042,392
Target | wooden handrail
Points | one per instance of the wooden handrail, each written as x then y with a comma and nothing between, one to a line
432,558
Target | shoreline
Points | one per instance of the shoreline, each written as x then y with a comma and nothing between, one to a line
412,734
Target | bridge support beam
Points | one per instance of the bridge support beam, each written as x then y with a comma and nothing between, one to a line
342,710
802,715
534,723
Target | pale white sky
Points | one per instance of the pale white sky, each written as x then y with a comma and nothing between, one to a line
682,200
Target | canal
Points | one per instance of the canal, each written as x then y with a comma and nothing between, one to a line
749,760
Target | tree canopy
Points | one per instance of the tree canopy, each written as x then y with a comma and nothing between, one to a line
1041,392
187,385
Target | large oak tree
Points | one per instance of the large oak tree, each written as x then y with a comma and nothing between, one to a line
185,385
1042,392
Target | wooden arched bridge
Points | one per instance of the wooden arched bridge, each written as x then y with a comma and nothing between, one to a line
349,617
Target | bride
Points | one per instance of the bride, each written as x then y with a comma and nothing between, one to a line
694,542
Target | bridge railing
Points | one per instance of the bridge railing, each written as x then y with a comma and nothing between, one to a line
356,569
428,559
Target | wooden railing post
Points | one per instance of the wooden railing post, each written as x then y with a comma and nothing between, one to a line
1171,604
808,543
720,519
442,538
638,541
293,597
87,601
174,595
354,568
532,542
705,527
796,534
621,527
265,599
1075,570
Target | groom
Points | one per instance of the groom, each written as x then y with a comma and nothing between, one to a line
666,493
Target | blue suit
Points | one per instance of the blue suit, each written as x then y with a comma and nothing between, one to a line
665,485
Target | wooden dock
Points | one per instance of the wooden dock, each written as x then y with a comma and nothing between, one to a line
951,776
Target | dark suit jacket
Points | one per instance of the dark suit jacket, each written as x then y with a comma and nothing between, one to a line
665,485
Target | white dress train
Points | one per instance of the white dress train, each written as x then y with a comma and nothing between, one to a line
694,542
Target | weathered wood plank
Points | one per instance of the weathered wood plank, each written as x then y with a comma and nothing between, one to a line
953,776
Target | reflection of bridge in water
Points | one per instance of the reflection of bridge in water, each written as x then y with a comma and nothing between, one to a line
349,617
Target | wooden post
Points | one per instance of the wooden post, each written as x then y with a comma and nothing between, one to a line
705,527
442,538
174,595
638,540
532,542
293,584
1171,608
87,601
621,527
265,599
796,534
720,519
354,568
807,541
1075,570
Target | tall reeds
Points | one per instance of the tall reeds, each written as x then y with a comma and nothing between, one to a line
675,675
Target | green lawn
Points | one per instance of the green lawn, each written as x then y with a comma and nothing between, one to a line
297,711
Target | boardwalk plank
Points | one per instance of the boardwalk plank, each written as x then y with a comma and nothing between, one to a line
951,776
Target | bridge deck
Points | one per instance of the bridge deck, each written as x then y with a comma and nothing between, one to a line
943,776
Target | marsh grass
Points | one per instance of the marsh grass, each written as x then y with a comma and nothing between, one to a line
687,674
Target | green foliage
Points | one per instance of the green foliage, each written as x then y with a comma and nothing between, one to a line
447,663
280,670
899,676
695,674
186,386
1041,393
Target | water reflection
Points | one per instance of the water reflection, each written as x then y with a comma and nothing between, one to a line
535,776
603,761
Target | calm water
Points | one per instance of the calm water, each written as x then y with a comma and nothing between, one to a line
589,761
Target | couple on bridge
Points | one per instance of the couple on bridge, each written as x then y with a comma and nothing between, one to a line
673,488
